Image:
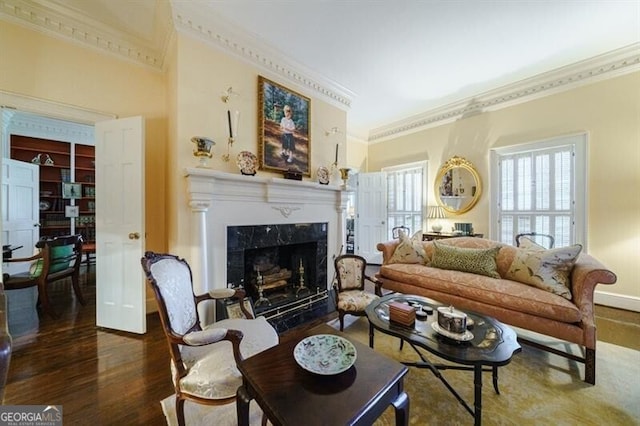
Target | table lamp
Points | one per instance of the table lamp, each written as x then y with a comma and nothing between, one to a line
436,212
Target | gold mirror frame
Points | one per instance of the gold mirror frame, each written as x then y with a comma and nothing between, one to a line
457,193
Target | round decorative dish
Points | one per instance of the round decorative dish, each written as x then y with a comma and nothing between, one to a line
462,337
325,354
323,175
247,162
45,205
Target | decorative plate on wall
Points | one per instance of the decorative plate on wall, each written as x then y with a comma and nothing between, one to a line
323,175
247,163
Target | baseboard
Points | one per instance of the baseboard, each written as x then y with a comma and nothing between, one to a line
619,301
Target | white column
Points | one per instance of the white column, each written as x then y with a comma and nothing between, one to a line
199,257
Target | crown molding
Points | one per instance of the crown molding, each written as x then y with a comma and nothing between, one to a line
609,65
69,26
205,25
23,103
19,123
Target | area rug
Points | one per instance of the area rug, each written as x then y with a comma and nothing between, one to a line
536,388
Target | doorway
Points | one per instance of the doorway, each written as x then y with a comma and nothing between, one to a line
42,119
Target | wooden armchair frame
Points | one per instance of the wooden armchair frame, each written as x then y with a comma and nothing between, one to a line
189,333
340,287
47,275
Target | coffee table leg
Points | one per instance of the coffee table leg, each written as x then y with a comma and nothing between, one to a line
477,399
495,379
242,406
370,335
401,406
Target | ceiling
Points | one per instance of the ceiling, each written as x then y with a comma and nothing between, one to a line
387,62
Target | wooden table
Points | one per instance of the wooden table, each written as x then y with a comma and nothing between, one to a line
290,395
430,236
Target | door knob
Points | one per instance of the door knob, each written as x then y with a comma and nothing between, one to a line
134,235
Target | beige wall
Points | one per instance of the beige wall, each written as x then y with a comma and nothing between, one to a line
43,67
202,75
608,110
178,103
185,101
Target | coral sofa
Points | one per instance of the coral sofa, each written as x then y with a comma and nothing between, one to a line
569,316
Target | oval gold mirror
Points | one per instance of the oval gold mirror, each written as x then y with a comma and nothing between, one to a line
457,186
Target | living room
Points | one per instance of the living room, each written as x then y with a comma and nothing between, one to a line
179,97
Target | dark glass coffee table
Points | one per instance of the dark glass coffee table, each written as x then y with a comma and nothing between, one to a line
493,344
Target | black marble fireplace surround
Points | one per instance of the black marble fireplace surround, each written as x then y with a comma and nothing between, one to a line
276,253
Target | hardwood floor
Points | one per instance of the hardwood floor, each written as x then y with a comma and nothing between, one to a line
106,377
97,375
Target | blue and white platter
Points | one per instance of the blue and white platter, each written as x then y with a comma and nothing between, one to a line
325,354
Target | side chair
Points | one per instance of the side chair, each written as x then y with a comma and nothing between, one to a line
395,232
58,258
351,297
543,240
203,359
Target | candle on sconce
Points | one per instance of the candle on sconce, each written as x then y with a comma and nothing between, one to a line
229,119
236,118
336,154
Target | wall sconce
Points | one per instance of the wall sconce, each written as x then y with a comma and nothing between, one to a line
232,121
436,212
332,131
202,150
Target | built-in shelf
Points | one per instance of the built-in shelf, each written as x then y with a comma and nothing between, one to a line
72,162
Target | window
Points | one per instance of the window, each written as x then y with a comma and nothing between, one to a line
540,187
406,195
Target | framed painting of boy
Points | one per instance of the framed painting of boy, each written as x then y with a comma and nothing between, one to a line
284,141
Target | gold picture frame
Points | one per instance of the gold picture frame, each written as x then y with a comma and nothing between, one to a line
284,141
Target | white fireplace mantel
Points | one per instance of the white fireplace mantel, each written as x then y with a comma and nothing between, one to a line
219,199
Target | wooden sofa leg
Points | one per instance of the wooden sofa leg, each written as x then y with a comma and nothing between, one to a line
590,366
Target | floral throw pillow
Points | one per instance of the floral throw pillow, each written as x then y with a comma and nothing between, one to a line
548,270
475,261
409,250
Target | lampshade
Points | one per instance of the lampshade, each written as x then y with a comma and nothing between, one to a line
436,212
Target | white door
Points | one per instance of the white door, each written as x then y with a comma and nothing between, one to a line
371,215
20,210
120,281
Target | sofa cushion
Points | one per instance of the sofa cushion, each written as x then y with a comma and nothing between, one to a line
409,250
475,261
548,270
503,293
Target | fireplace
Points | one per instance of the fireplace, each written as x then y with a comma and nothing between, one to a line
245,225
283,267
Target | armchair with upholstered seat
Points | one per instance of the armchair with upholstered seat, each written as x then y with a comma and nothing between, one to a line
58,258
203,359
351,297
